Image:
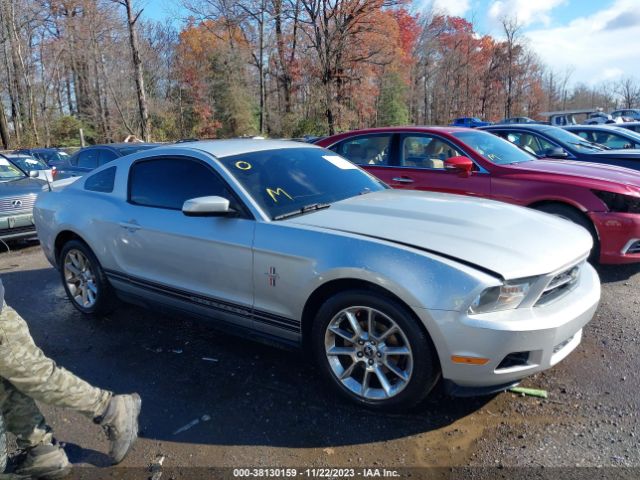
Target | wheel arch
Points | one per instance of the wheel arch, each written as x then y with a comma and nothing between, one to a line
62,238
325,291
575,207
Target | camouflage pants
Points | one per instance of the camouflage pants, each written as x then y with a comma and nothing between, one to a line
28,375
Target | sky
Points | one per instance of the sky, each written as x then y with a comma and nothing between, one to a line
595,40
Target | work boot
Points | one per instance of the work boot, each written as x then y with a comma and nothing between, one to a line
47,461
120,422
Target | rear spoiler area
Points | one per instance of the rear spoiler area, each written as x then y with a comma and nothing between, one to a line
60,184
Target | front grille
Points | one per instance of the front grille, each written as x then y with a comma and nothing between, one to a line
559,285
16,204
633,248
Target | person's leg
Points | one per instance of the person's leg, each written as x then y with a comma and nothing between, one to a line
40,455
31,372
22,417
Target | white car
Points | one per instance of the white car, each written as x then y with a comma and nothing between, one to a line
389,289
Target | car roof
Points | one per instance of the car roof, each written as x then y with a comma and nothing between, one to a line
519,126
409,128
238,146
122,145
610,126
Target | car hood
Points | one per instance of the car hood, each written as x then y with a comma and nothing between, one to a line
22,186
582,170
510,241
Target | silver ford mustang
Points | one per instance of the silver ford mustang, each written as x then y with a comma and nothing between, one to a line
390,290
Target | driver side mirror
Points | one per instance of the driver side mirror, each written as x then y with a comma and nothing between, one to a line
33,174
461,165
207,207
556,152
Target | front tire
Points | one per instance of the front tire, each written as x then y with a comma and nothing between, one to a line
84,280
373,351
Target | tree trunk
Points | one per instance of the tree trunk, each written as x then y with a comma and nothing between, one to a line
4,130
137,65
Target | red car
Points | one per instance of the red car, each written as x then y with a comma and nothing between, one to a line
604,199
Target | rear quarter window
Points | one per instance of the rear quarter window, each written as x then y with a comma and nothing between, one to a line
102,181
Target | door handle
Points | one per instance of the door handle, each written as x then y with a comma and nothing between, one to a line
402,180
131,226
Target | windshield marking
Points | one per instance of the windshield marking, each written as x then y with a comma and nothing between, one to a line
242,165
276,193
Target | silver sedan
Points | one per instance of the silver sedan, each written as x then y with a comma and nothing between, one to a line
390,290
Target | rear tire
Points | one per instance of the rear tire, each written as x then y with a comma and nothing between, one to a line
373,351
84,280
575,216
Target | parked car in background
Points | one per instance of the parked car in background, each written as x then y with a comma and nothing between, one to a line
53,157
601,118
18,193
610,136
29,164
388,290
546,141
508,121
89,158
605,200
632,113
469,122
634,126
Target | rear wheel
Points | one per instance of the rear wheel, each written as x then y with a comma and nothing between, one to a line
373,351
573,215
84,280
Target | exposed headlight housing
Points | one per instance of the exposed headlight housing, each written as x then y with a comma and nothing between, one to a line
504,297
617,202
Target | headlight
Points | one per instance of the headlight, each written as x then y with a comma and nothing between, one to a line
616,202
504,297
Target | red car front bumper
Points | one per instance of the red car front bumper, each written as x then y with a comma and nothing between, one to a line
619,233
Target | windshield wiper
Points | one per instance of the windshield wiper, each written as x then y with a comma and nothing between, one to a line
594,146
301,211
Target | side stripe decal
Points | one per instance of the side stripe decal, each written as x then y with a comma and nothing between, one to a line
210,302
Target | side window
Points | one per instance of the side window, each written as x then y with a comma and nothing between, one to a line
529,142
88,158
582,134
102,181
612,140
169,182
423,151
371,150
107,156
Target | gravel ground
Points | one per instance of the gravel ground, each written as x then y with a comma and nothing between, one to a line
262,406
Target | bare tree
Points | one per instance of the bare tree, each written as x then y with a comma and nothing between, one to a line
132,19
628,89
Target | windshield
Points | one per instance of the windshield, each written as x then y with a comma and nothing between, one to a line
9,171
573,141
28,163
290,180
493,148
52,156
627,133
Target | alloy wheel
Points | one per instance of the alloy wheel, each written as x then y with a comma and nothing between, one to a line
80,278
368,353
